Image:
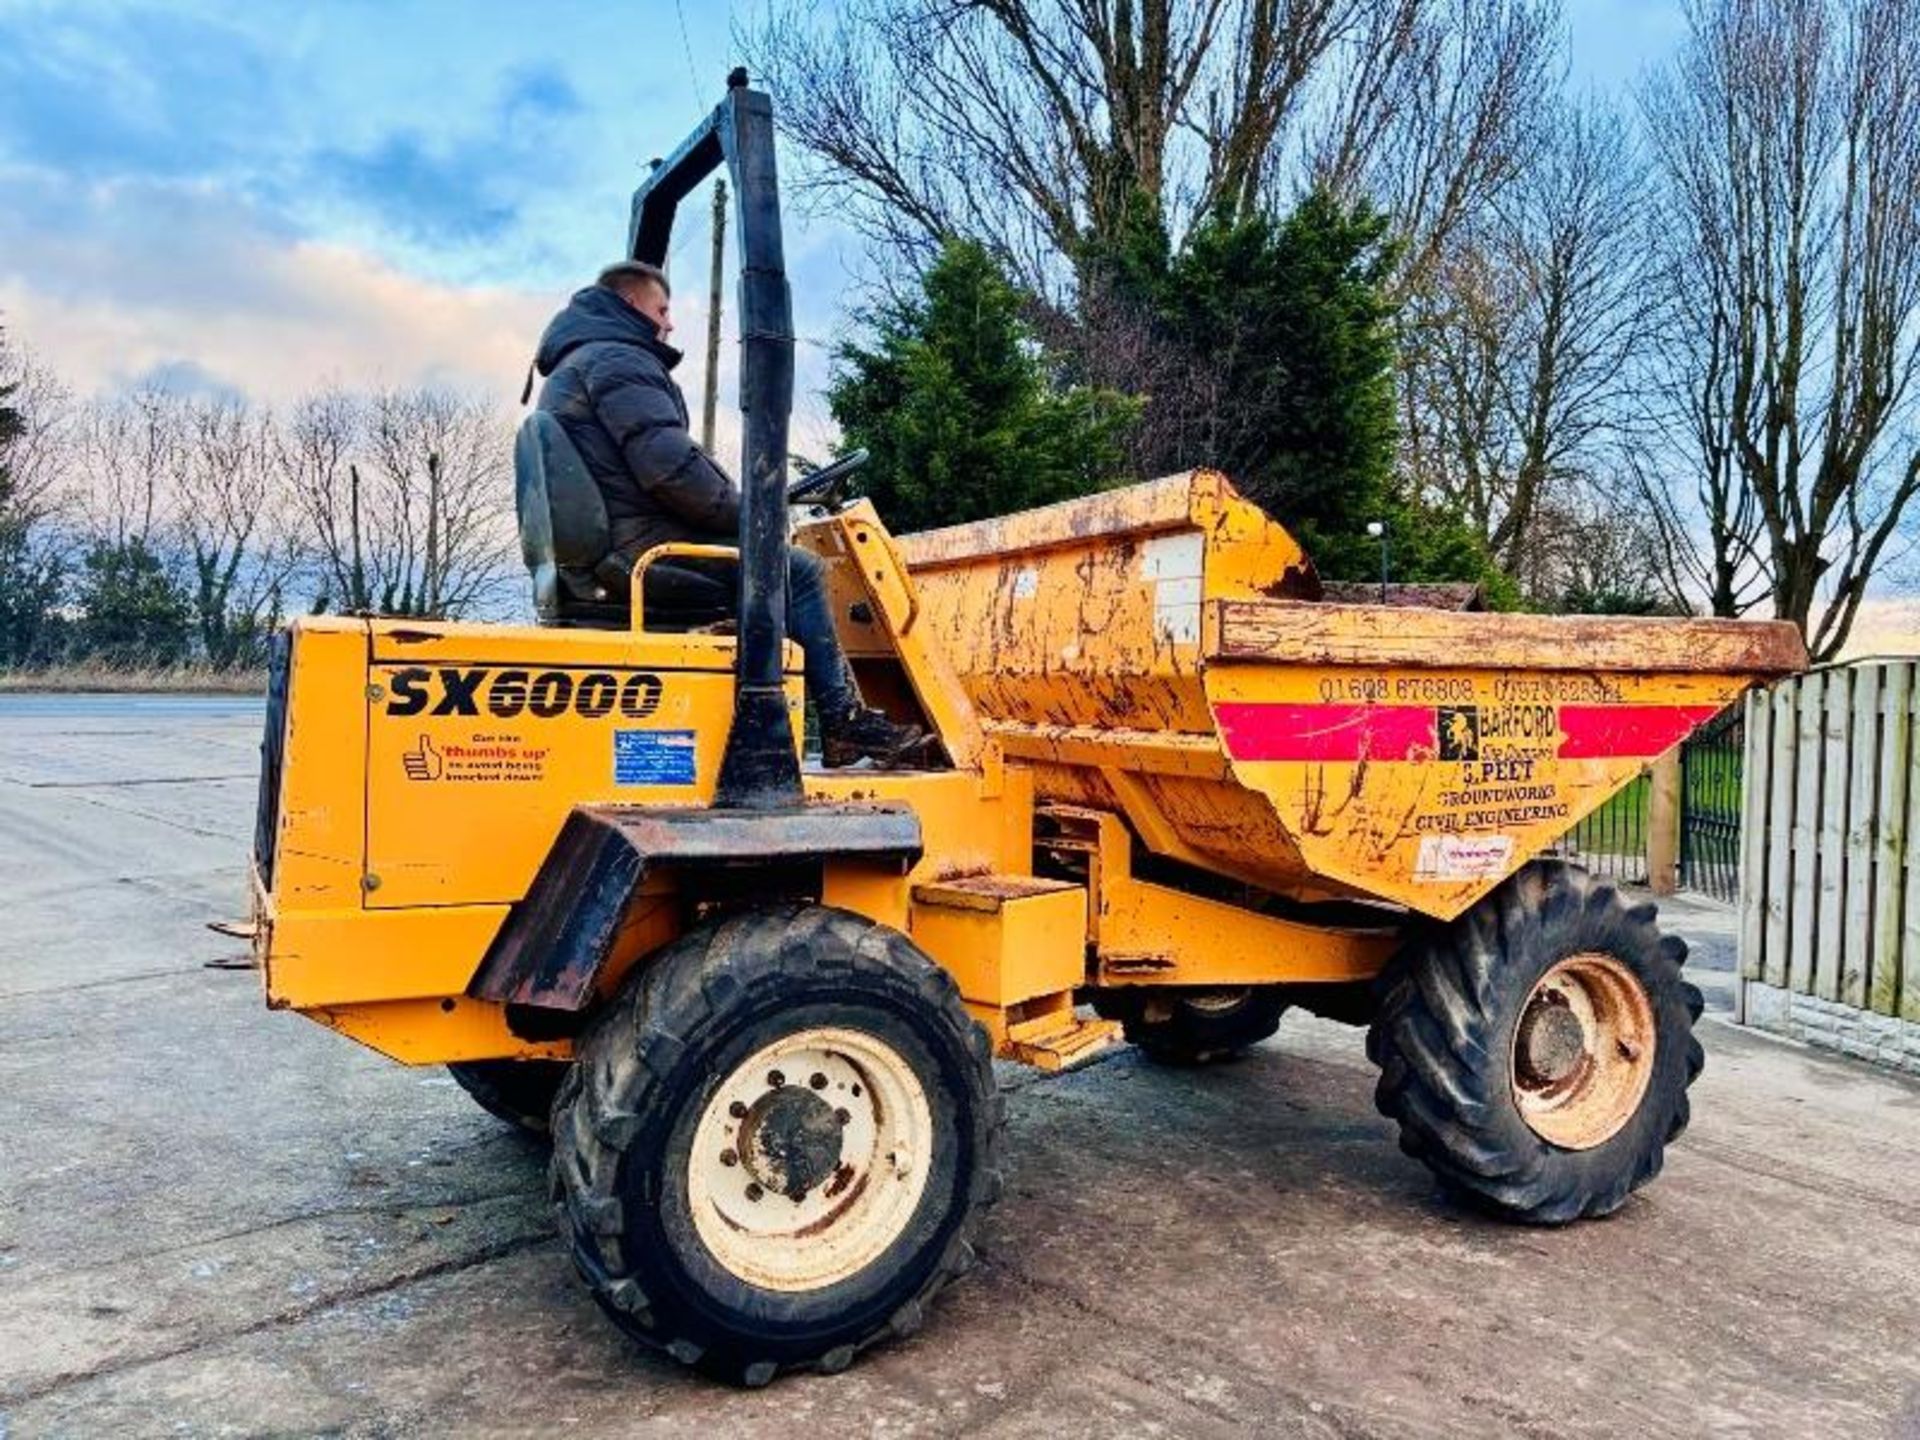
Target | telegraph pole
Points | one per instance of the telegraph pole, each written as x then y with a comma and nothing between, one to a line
715,272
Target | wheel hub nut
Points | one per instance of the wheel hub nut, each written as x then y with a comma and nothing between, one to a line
790,1141
1552,1042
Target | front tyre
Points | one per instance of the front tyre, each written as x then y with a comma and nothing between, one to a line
777,1143
1537,1052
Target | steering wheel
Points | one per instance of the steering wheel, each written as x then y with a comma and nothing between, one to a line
821,486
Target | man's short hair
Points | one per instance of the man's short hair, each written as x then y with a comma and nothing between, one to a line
628,277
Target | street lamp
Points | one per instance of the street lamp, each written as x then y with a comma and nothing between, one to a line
1378,531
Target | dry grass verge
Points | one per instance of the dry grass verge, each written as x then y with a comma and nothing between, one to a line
96,677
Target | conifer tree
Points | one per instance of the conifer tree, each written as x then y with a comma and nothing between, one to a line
965,414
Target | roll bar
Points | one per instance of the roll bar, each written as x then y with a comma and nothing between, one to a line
760,769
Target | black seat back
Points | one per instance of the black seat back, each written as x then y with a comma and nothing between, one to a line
564,534
567,544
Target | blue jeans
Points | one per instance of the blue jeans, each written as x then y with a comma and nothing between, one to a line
810,623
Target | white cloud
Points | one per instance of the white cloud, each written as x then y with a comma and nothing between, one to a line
312,314
219,291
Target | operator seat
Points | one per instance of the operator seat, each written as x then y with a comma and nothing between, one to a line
567,544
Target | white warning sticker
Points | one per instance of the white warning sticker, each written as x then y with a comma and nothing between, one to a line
1463,857
1173,566
1173,557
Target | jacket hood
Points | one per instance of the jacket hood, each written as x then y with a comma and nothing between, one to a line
595,314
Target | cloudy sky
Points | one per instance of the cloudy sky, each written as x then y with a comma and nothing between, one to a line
269,196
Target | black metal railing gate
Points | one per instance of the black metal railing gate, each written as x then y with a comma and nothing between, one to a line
1710,772
1612,841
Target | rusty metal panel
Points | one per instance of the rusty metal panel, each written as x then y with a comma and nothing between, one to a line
550,951
1004,938
1165,652
1087,614
1326,634
1428,787
876,609
1135,510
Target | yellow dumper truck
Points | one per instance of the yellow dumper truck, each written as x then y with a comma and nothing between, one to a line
587,866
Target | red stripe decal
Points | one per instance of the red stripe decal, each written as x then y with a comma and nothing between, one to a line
1326,732
1596,732
1256,731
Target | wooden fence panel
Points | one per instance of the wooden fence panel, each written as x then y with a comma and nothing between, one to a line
1804,841
1754,916
1830,849
1890,847
1863,757
1909,982
1830,856
1778,898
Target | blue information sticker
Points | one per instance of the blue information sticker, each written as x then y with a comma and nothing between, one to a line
653,757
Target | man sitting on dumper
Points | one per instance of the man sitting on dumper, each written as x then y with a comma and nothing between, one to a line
608,365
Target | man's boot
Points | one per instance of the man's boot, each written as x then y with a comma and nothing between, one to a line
862,734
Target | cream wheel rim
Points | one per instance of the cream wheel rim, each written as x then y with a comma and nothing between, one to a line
1583,1051
810,1159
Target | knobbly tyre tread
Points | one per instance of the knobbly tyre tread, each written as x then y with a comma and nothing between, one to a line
1188,1036
1441,1038
637,1041
519,1092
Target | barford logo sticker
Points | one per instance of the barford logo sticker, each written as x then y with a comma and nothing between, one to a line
505,694
1458,727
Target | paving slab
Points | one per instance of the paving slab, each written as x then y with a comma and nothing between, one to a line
215,1220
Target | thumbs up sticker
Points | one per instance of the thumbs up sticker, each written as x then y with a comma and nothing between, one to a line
426,763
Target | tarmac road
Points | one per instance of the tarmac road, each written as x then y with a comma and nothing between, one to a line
219,1221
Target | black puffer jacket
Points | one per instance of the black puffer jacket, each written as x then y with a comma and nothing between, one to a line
607,381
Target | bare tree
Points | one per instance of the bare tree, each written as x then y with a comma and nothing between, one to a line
1705,526
1117,343
445,494
314,451
1041,126
407,496
36,413
37,453
1034,125
130,595
1787,136
239,532
124,448
1517,358
1593,554
1430,108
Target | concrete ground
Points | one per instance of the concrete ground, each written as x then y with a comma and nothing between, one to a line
220,1221
1712,932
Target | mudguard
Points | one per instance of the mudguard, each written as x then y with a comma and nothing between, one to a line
549,953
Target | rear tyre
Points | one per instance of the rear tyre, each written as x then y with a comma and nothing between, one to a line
777,1144
519,1092
1537,1052
1182,1026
